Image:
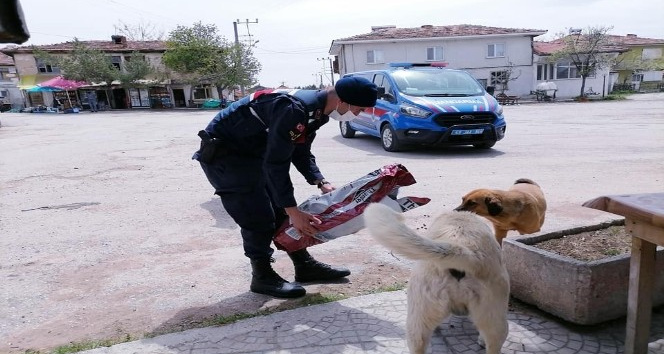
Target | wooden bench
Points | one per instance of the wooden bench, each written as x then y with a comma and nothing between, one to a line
505,99
644,221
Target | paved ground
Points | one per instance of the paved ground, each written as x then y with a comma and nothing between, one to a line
375,324
109,229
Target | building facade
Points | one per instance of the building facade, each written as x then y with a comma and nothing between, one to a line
499,57
165,89
10,95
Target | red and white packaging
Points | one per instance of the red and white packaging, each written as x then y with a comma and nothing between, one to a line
340,210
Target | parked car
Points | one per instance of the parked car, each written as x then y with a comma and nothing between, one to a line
429,105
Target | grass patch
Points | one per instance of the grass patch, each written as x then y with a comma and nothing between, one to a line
85,345
396,286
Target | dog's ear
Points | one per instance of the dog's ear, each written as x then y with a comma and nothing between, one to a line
493,205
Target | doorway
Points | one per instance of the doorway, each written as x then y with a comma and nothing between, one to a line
120,99
178,97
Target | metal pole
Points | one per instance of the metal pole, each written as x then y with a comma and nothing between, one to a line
237,43
331,71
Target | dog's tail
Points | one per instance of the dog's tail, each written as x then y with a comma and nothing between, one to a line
526,180
388,228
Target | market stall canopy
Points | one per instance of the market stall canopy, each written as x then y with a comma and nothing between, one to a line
62,83
43,89
101,84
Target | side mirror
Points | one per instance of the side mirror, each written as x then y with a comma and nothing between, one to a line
389,97
490,90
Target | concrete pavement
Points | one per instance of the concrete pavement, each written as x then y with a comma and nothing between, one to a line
109,229
375,324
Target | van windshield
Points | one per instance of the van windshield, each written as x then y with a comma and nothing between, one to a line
436,82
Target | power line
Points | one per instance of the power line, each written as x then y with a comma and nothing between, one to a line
306,50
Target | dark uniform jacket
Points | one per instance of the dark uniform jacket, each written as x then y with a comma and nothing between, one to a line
262,134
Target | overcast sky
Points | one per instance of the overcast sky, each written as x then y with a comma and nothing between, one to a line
293,35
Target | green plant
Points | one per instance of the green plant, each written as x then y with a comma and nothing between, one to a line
612,252
92,344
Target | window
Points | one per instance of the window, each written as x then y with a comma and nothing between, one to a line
127,58
637,77
496,50
202,92
4,93
43,67
116,60
651,53
375,57
434,53
544,72
498,78
381,81
3,74
566,70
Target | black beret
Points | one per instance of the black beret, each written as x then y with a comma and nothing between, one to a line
357,91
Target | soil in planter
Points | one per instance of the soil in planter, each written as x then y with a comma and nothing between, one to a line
590,245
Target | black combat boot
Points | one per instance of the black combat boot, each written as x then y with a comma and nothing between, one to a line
307,269
266,281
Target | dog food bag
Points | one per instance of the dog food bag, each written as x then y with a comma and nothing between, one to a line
340,210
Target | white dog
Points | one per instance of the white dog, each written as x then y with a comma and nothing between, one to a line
459,271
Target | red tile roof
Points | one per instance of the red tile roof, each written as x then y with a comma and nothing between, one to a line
548,48
616,44
6,60
429,31
634,40
106,46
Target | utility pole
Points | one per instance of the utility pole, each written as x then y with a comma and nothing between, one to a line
331,68
237,39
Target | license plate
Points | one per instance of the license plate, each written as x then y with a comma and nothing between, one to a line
467,131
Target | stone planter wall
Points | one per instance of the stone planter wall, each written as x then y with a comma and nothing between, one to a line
580,292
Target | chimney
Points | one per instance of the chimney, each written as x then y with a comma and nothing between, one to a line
631,35
119,39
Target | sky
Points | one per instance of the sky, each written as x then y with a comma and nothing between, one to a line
292,38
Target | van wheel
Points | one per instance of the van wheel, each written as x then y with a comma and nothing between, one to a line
346,130
487,145
389,139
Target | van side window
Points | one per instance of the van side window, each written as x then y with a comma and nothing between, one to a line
381,81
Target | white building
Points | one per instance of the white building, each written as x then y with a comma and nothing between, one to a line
487,53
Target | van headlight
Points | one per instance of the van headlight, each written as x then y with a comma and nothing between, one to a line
414,111
499,110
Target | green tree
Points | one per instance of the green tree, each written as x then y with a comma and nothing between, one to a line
200,55
589,50
136,68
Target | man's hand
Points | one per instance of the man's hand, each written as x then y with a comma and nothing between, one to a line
305,224
327,188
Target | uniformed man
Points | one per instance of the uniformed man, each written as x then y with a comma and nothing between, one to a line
246,152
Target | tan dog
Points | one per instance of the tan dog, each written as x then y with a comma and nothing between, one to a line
521,208
459,271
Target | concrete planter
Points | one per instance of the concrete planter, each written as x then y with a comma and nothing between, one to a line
580,292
